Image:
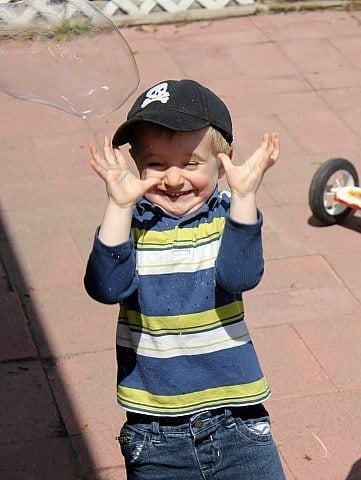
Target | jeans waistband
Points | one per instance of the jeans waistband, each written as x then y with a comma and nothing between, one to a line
245,413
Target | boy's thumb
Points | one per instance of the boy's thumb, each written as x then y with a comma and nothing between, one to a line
225,161
151,182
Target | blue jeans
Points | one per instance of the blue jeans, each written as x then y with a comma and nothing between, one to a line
223,444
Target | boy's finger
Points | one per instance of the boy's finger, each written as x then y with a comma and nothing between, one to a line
226,161
276,144
109,152
94,152
93,149
97,168
266,140
151,182
120,158
97,159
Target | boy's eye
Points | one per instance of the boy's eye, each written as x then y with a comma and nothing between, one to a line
155,165
192,165
158,165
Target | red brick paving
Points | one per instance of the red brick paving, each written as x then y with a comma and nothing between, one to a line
298,73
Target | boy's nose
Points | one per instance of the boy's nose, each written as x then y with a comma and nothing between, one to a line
173,177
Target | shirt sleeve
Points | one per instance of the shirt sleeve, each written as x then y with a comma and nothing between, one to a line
110,275
240,264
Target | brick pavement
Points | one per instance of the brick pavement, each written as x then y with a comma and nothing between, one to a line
299,74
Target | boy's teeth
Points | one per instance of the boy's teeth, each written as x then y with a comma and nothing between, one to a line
175,194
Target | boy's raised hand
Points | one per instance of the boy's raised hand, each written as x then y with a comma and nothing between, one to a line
246,178
123,187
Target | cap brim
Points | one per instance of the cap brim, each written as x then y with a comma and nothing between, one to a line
178,121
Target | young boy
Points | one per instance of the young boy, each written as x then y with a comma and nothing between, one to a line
176,254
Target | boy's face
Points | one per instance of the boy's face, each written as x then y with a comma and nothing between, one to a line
185,163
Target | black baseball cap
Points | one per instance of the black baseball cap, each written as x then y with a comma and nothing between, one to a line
181,105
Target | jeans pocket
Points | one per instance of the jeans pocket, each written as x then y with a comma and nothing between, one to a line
256,430
134,444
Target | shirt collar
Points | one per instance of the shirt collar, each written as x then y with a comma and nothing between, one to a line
144,205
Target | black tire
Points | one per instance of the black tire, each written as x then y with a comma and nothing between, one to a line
324,179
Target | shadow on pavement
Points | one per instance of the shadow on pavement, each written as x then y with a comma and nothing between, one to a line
34,443
351,223
355,472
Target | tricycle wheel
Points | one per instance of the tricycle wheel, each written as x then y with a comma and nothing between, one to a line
336,172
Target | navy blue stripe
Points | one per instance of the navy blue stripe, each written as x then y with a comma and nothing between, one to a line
181,293
233,366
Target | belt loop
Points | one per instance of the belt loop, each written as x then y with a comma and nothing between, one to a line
229,419
155,432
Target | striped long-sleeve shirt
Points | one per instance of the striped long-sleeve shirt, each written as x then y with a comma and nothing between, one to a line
182,342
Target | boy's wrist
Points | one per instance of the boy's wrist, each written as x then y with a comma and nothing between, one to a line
243,208
243,197
116,225
113,205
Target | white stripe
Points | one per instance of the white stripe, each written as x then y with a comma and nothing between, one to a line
167,346
180,260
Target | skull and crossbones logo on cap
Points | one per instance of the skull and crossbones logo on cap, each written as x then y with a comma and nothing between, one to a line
159,93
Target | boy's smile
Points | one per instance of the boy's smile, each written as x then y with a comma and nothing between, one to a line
174,195
185,164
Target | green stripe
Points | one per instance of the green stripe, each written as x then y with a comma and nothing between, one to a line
189,402
193,236
193,322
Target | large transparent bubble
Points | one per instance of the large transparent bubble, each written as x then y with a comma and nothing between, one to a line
67,54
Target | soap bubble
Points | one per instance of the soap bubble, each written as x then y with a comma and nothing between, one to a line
66,54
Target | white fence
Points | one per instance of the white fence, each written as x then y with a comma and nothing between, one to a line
136,12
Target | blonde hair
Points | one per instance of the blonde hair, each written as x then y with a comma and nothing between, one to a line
219,143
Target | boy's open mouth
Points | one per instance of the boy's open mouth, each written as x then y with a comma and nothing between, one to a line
174,194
